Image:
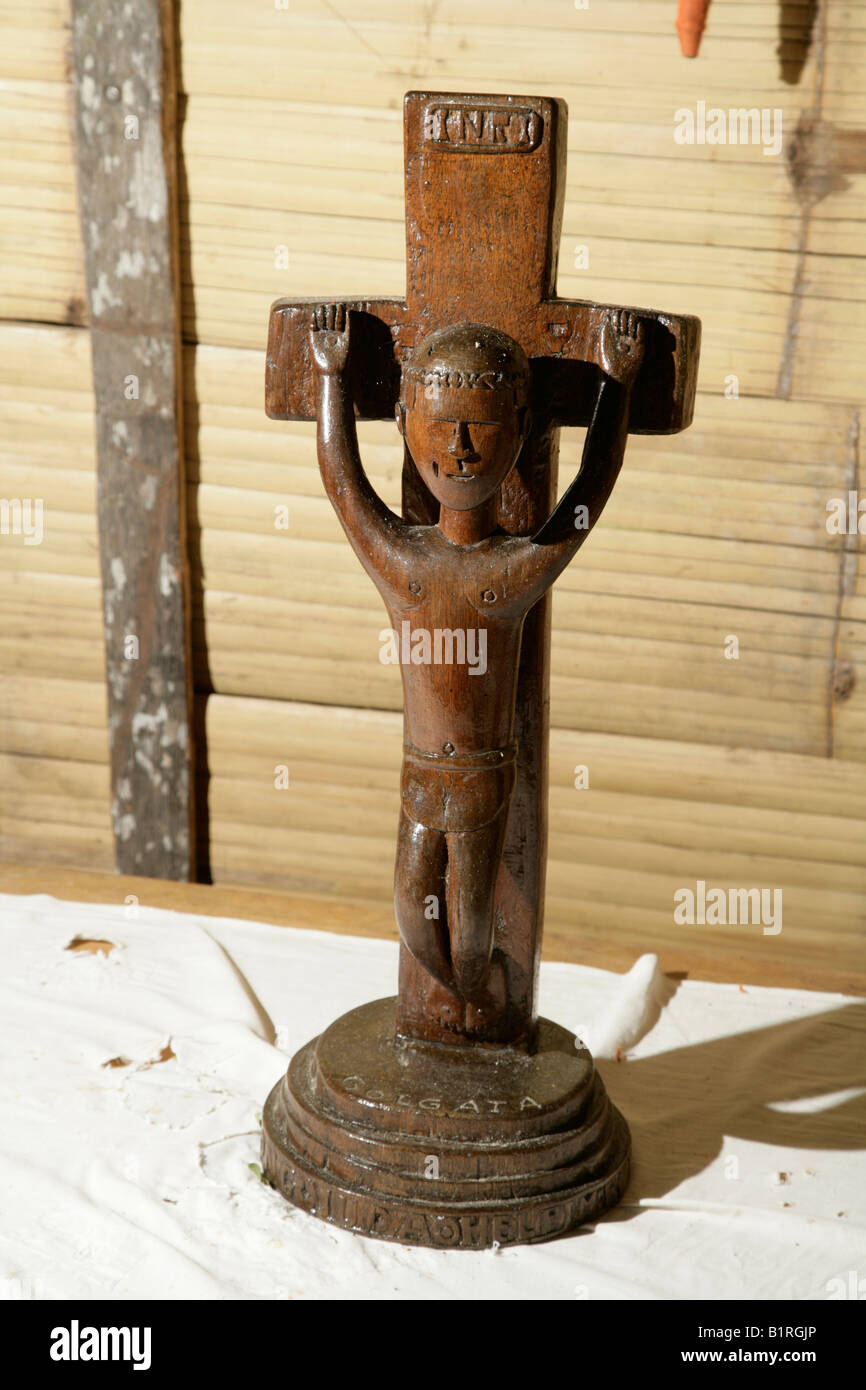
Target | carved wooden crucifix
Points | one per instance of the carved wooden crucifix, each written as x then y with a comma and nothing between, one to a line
481,363
484,192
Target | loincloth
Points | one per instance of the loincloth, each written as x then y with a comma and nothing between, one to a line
458,791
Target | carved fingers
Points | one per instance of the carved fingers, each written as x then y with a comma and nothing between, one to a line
622,344
333,317
329,336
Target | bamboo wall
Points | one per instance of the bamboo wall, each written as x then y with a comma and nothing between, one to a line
54,786
740,772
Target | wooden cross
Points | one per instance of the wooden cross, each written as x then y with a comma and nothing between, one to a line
485,180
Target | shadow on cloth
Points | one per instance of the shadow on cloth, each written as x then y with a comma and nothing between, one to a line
681,1105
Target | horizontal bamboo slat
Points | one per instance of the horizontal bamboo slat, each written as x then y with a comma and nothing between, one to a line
719,230
810,966
721,531
658,816
54,787
699,766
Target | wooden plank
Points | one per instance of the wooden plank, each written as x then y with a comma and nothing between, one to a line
354,743
52,807
604,942
41,264
75,846
673,812
126,151
718,230
82,703
639,626
714,231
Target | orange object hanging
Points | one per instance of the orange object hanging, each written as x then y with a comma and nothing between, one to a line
691,19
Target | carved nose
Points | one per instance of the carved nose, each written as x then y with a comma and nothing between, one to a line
460,447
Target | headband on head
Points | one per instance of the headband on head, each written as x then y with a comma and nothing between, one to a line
467,358
463,403
449,377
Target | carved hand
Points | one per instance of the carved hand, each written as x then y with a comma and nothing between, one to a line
329,337
622,343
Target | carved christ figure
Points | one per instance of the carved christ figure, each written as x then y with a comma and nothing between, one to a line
464,415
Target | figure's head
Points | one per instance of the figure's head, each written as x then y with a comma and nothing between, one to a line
463,411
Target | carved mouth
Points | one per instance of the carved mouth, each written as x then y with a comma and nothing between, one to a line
462,477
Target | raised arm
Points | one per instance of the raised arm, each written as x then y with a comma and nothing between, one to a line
567,527
377,535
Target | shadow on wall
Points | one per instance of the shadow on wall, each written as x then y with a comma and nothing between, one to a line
796,31
201,676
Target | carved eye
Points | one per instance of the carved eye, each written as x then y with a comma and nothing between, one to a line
448,748
414,587
488,596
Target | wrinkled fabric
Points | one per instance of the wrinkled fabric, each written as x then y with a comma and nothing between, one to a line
132,1083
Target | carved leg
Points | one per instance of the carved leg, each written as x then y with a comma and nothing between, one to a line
419,878
473,867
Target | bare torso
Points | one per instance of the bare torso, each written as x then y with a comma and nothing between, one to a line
471,602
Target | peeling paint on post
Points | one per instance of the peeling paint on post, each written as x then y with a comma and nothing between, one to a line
125,95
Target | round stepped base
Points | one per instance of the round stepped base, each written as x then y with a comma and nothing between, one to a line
444,1146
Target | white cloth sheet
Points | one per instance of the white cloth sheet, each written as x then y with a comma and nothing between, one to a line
746,1109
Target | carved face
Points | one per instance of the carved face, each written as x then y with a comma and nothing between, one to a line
464,441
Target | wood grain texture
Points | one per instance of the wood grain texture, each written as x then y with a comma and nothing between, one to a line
722,232
54,795
479,544
657,815
714,230
40,242
125,111
640,625
818,954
